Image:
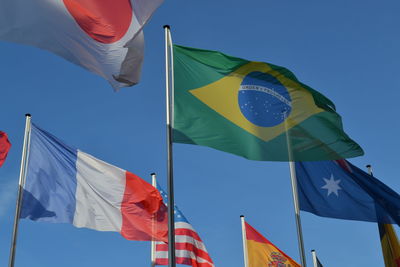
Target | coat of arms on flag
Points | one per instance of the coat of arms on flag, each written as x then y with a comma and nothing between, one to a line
261,252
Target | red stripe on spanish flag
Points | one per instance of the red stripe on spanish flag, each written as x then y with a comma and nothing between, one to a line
262,253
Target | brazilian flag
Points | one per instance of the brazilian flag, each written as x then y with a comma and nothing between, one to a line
253,109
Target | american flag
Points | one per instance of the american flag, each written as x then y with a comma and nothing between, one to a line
189,248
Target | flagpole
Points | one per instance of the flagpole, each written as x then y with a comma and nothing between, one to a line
296,205
169,76
297,212
314,257
153,243
22,175
369,168
244,238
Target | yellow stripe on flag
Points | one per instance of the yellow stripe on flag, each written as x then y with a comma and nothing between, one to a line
390,245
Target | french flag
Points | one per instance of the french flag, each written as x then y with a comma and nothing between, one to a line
66,185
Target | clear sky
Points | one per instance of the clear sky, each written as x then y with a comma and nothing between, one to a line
347,50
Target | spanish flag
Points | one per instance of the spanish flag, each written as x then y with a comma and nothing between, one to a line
262,253
390,245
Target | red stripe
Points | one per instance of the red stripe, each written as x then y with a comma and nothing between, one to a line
162,261
253,234
198,252
141,202
162,247
188,232
344,164
181,260
186,246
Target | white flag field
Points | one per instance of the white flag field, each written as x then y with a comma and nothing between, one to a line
104,37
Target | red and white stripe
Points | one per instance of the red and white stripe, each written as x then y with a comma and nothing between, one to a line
190,249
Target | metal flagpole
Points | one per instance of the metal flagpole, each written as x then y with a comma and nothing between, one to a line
297,213
369,168
245,253
295,196
169,76
314,258
22,175
153,243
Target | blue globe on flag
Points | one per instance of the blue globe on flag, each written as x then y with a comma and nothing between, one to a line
263,100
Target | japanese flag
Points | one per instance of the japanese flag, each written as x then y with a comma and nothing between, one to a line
102,36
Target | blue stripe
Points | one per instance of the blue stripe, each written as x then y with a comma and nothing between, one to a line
50,186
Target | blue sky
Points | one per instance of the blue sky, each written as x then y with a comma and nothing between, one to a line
347,50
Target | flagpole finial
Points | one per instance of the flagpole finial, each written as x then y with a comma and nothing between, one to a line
166,26
153,173
368,166
241,216
27,115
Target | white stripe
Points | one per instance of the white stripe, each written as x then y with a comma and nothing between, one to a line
182,254
267,90
183,225
191,240
185,239
99,192
188,239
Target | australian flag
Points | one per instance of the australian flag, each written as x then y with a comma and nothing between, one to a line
338,189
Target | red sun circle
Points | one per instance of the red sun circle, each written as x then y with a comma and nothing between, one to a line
106,21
